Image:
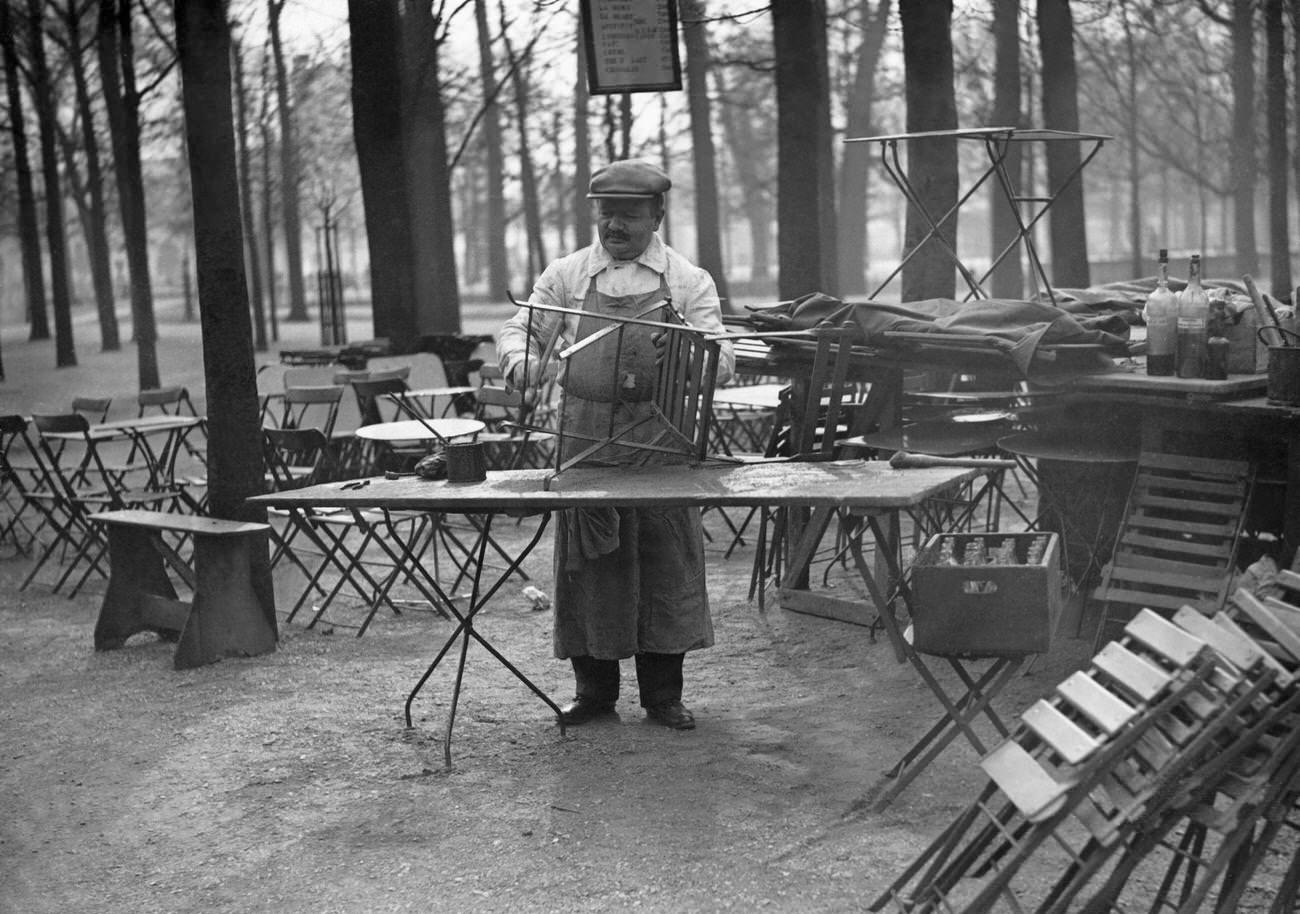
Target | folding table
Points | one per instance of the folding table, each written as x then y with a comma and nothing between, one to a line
825,487
997,144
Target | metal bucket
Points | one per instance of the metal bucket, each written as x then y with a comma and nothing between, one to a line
468,463
1284,368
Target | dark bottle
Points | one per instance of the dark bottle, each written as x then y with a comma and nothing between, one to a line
1193,310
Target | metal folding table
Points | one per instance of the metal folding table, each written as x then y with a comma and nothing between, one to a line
997,143
823,486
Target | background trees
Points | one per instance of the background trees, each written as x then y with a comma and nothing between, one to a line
448,142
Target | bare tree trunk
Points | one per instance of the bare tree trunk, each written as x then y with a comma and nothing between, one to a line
377,132
91,198
854,256
707,222
1008,279
537,258
122,103
247,214
427,173
235,469
1279,234
268,204
755,193
580,205
1243,128
29,233
931,163
805,185
1136,259
494,216
289,179
1061,112
56,238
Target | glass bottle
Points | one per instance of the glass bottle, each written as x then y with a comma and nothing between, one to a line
1161,314
1193,309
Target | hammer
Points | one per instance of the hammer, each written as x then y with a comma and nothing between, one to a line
906,460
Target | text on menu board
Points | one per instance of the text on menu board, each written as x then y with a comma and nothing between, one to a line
631,45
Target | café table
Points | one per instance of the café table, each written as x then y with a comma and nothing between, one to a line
420,430
824,487
158,456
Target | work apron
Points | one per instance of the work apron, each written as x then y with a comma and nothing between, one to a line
627,580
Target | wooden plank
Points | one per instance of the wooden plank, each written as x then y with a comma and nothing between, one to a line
1146,541
1287,638
1148,481
1143,599
1093,701
1179,527
1285,612
1289,580
1033,791
1064,736
1187,505
1278,656
1126,559
857,612
1209,580
1138,675
179,523
1233,645
1180,647
1204,465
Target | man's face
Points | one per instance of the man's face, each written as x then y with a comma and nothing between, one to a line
626,226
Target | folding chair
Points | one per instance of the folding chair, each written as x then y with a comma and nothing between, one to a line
512,438
76,483
1081,775
344,541
383,399
1215,833
15,482
1178,539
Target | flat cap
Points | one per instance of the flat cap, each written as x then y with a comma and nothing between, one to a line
631,179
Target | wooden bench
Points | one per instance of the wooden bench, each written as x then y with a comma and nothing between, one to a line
232,610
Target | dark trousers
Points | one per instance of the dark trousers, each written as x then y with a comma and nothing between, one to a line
658,676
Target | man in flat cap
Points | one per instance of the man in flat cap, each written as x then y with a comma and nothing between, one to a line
629,582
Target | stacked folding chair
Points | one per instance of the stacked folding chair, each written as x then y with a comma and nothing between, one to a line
1178,540
1091,771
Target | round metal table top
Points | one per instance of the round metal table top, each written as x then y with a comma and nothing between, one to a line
417,430
1086,445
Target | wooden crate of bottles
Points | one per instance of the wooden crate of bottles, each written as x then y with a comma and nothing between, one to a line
986,594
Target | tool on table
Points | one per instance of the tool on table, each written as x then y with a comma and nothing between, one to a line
907,460
1264,310
393,474
355,484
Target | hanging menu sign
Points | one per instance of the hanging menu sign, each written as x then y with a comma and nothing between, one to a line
631,46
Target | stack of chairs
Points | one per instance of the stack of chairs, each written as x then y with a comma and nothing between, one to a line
1178,540
1172,761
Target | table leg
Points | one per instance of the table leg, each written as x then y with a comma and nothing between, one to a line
465,627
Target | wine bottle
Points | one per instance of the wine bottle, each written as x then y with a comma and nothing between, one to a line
1193,309
1161,314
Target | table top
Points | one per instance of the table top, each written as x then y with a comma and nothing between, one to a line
440,391
121,428
417,430
750,396
1135,380
847,483
1082,445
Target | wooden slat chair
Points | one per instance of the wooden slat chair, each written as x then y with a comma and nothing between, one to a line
1215,836
682,400
1081,774
1178,539
819,402
348,543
